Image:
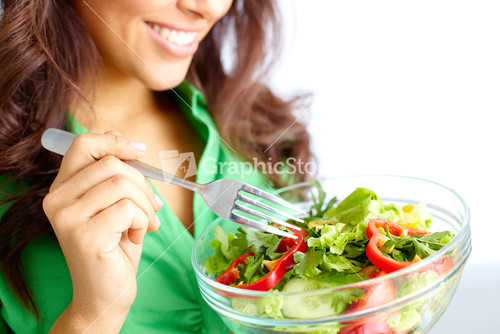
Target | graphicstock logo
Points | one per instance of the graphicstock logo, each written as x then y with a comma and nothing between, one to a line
182,165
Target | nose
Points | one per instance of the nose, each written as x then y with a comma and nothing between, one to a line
206,9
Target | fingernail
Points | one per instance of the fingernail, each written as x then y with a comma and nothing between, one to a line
138,146
158,201
158,220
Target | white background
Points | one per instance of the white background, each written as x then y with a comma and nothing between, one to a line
412,88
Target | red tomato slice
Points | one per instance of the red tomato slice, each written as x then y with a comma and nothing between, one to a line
375,295
443,265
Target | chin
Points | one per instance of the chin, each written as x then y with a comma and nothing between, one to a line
162,85
165,76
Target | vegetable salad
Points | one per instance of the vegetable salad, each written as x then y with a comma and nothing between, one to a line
358,239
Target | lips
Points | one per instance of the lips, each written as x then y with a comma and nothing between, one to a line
179,41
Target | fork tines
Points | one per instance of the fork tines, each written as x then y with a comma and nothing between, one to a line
273,199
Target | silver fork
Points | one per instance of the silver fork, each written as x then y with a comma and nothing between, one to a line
225,197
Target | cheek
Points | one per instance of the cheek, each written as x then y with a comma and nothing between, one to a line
108,19
112,24
225,6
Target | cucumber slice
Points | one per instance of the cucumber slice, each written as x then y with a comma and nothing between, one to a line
309,305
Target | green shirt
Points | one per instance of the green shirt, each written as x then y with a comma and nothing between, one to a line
168,299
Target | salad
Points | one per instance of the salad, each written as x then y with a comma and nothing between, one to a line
355,240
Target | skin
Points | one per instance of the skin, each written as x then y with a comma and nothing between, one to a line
99,207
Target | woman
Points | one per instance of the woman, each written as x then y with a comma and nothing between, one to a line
87,243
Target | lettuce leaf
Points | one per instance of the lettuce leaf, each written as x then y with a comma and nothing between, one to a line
328,237
227,248
340,239
269,306
340,263
331,328
424,217
405,320
361,206
416,282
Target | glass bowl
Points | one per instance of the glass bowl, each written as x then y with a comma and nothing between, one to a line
422,294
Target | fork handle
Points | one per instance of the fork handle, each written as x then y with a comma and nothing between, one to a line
59,141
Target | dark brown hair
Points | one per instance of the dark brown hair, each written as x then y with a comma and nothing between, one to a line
45,53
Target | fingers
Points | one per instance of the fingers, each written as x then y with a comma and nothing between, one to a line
94,187
88,148
112,191
122,218
100,209
103,170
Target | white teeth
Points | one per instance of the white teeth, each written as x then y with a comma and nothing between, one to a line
164,32
175,36
182,37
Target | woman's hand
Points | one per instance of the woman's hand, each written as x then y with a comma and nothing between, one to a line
100,209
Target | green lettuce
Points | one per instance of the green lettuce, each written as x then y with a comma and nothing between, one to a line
332,328
361,206
405,320
416,282
306,264
335,255
269,306
341,239
424,217
227,248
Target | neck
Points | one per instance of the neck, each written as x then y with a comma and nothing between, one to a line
117,100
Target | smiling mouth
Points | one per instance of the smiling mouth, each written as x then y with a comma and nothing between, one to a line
178,37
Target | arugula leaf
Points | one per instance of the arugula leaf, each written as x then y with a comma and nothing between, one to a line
354,250
318,208
436,240
251,267
406,248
